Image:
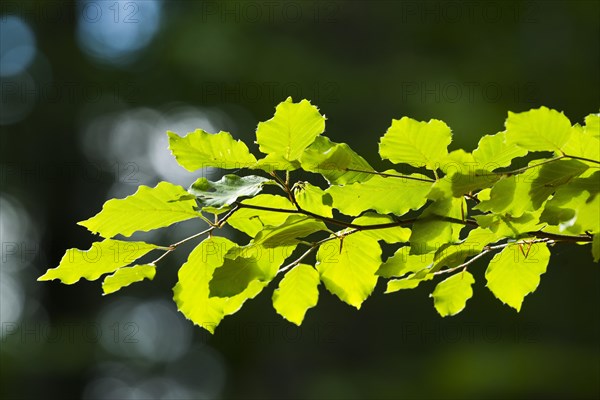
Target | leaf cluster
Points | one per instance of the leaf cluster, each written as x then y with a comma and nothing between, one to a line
519,193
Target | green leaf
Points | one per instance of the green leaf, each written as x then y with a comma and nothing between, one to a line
467,183
384,195
550,176
502,195
493,152
102,258
347,267
191,293
294,227
200,149
234,276
596,247
313,199
227,190
582,144
146,209
450,295
416,143
337,162
592,125
410,282
431,230
463,175
458,161
243,265
452,255
588,217
126,276
575,207
509,226
517,194
251,221
396,234
511,276
540,129
275,162
293,128
297,293
268,259
402,262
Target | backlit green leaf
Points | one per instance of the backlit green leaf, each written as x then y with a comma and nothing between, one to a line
463,175
458,161
147,209
297,293
509,226
517,194
234,276
450,295
384,195
402,262
347,267
467,183
191,293
268,259
410,282
227,190
275,162
592,125
395,234
313,198
416,143
432,229
293,128
541,129
502,195
126,276
575,207
200,149
102,258
511,276
552,175
494,152
583,144
243,265
251,221
288,233
452,255
596,247
337,162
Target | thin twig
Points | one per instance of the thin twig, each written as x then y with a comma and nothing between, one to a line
175,245
463,265
278,180
265,208
386,175
222,221
562,238
488,249
194,236
217,224
523,169
298,260
581,158
300,210
312,248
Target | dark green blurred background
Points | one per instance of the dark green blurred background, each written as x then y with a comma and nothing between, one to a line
89,89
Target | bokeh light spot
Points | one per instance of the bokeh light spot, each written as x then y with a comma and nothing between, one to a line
114,32
17,45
